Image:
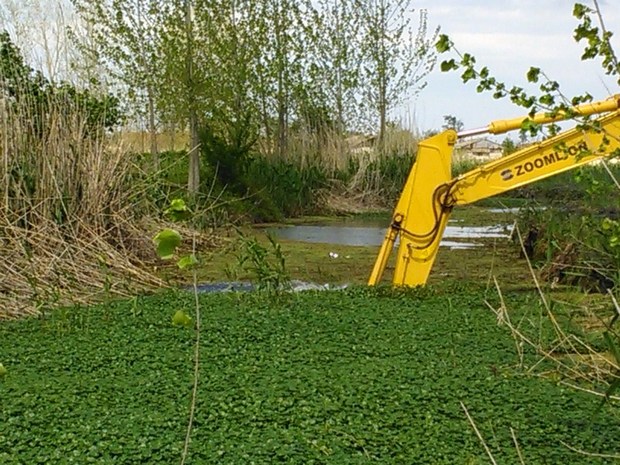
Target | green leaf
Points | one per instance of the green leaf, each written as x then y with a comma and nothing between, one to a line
533,74
579,10
448,65
608,224
180,318
530,127
167,242
3,371
443,43
468,60
187,261
468,74
547,99
178,210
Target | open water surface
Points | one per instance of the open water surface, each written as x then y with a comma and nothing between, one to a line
455,237
356,232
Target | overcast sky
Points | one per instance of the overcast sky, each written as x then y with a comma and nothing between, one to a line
508,36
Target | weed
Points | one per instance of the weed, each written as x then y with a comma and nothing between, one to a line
575,237
266,265
167,242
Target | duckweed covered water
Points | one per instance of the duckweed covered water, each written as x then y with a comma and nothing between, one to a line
349,377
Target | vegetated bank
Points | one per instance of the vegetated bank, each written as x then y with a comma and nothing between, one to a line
571,227
249,184
333,377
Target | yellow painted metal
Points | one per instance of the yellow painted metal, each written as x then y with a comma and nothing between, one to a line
603,106
563,152
419,218
430,192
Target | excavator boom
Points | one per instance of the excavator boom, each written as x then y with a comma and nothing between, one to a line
430,192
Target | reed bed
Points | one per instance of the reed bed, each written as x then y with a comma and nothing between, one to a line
73,222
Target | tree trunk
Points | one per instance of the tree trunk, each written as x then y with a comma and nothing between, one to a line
193,181
153,131
282,110
282,132
382,115
173,137
266,124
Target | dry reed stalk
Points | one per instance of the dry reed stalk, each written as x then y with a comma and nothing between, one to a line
590,454
333,153
569,353
69,227
475,428
516,443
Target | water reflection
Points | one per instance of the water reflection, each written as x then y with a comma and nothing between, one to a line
373,236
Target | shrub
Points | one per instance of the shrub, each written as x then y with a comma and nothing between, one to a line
575,238
288,188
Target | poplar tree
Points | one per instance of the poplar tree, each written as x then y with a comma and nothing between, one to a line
279,67
125,37
397,54
335,70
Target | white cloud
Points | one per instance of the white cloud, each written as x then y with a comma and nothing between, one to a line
510,46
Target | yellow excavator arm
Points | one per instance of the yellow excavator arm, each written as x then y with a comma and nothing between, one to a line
430,192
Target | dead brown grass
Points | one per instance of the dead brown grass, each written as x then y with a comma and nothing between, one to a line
139,141
72,218
573,357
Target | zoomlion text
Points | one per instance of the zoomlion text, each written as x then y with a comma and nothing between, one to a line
544,160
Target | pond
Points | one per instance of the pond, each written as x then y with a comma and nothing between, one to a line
455,236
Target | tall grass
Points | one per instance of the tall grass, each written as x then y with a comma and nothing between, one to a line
68,225
357,168
578,342
575,238
318,167
285,189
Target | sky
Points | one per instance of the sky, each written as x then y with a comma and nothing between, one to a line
507,36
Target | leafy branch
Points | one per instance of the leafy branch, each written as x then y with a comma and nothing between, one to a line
554,103
551,99
167,241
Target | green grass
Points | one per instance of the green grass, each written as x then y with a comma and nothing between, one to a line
311,261
325,378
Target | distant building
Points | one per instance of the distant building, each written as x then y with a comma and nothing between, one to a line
481,149
361,143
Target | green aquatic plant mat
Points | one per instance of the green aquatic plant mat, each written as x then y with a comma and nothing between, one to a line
349,377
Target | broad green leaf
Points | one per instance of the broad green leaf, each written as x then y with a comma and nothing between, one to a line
448,65
579,10
187,261
468,74
167,242
178,210
178,205
468,60
547,99
533,74
607,224
443,43
180,318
